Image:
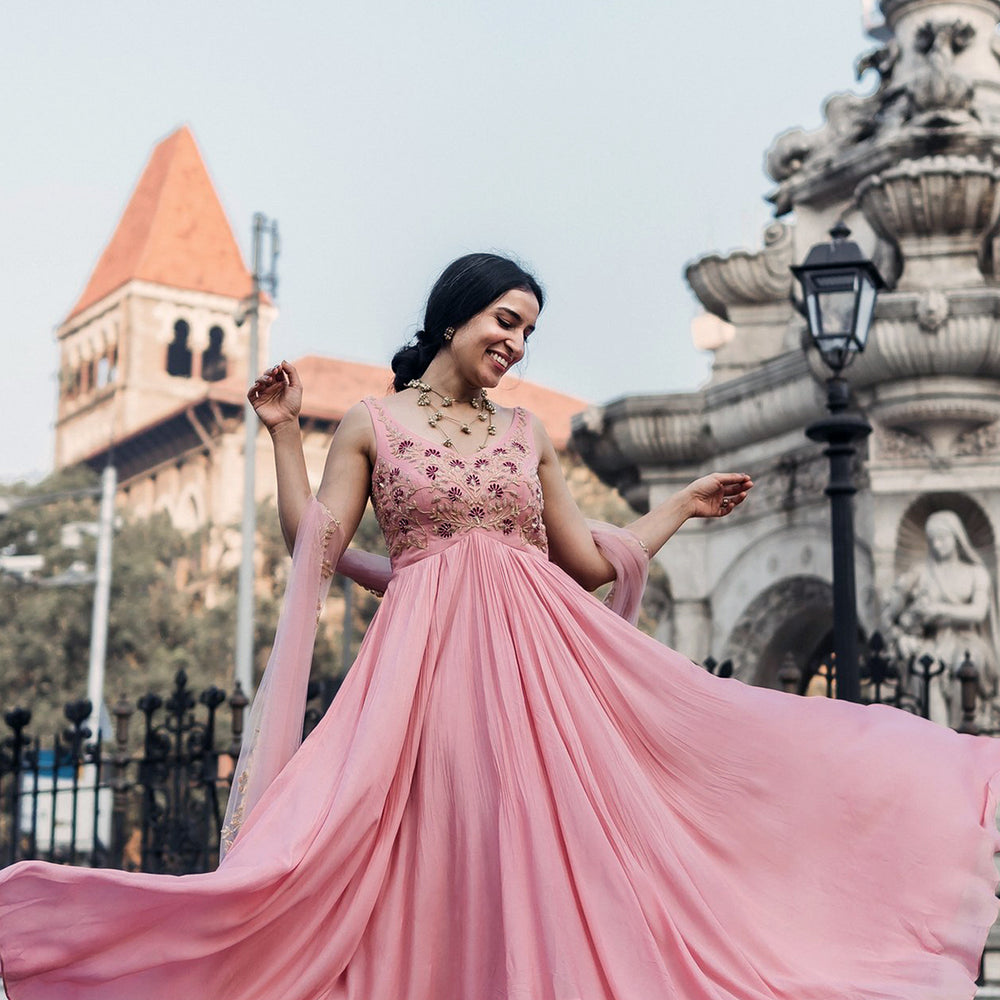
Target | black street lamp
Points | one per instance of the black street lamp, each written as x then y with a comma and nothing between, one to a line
840,286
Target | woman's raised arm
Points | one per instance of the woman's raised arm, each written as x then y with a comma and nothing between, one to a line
571,545
277,399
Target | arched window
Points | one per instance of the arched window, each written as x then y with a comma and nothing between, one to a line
213,361
70,381
178,353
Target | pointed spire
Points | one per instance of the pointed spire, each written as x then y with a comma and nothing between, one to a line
173,231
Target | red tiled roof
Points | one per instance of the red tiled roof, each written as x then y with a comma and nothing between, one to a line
173,231
331,387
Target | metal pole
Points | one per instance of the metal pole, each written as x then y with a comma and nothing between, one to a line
245,600
102,597
840,431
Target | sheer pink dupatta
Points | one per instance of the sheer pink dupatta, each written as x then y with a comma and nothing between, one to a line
630,560
274,729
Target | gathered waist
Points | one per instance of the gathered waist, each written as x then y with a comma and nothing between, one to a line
413,555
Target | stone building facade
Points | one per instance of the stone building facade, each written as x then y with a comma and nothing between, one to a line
914,170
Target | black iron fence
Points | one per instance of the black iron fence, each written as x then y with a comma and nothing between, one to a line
904,682
149,797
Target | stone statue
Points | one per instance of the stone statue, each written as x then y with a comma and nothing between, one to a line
938,89
946,607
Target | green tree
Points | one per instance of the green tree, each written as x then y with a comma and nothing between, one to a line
45,631
173,603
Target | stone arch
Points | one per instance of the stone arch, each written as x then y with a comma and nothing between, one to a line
911,542
792,616
106,355
69,373
102,360
179,354
86,366
102,372
186,512
213,358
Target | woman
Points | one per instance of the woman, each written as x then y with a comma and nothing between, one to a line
516,794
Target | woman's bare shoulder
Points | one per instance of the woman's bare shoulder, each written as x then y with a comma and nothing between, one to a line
534,420
543,443
356,416
356,426
393,402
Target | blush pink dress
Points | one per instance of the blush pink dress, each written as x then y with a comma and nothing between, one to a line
518,796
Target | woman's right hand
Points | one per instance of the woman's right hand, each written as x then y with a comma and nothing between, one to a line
276,395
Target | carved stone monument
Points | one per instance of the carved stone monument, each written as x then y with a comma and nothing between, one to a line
913,168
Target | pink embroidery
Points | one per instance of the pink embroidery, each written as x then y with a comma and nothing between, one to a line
425,494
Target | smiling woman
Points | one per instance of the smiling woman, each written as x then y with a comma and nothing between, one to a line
516,793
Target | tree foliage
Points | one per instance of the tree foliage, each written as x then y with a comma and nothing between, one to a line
173,602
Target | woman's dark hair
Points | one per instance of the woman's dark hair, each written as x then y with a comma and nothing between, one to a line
466,287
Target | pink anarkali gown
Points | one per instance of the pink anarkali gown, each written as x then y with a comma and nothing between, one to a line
518,796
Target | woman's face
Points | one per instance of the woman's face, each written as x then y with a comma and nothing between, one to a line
492,342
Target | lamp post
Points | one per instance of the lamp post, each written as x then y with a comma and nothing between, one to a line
840,286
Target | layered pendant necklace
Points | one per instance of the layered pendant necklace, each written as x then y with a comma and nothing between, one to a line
481,403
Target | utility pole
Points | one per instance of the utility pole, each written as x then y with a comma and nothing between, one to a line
262,281
102,597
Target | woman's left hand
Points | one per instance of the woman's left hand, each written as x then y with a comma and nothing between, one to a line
717,494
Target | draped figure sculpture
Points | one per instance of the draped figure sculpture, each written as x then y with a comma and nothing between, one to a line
946,607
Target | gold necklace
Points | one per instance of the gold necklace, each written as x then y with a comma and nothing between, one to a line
481,403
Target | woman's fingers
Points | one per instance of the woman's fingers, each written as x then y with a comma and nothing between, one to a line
724,491
289,374
276,377
260,387
737,482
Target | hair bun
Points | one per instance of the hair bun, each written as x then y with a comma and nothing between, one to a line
411,362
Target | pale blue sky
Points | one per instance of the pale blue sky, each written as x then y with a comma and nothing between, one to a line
605,144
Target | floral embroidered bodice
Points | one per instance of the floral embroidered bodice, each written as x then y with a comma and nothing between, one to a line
426,494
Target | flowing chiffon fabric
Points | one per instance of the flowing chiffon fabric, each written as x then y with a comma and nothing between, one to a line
518,796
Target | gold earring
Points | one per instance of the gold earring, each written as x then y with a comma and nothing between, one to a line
448,334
